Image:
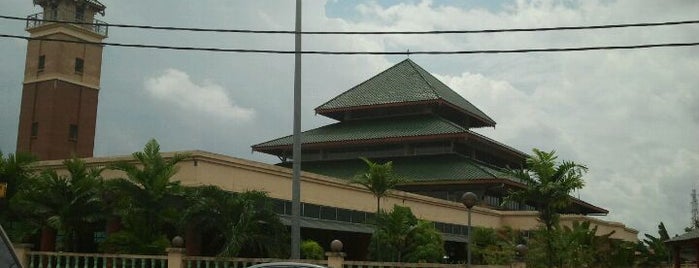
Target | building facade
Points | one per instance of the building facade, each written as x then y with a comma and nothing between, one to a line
407,116
61,80
332,208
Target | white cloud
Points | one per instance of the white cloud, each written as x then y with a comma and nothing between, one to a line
176,87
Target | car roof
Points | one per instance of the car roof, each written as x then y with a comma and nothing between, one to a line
286,265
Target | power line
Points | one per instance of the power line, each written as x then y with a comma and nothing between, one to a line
504,30
322,52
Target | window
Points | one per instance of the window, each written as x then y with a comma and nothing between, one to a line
358,217
312,211
79,13
73,132
79,65
35,129
344,215
42,63
53,13
328,213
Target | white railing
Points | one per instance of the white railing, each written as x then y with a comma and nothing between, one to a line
369,264
176,258
85,260
96,26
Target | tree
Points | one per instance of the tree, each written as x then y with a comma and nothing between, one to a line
494,247
378,179
548,187
15,169
579,245
404,238
653,251
236,224
68,204
146,200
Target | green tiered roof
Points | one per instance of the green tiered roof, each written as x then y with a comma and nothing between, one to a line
435,168
404,83
406,107
432,169
409,126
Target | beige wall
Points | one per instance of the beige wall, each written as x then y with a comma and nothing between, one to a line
236,174
60,56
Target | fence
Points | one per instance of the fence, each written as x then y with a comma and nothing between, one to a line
176,258
76,260
367,264
39,19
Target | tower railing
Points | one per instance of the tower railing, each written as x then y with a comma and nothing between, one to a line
96,26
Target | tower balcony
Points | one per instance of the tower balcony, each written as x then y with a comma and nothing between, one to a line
94,25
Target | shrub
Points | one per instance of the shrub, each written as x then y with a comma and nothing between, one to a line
312,250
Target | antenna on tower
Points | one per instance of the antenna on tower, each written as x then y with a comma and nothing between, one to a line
695,209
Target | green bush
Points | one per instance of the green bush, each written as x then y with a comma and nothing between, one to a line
124,242
312,250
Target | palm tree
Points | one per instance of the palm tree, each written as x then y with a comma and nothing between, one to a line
378,179
257,230
68,204
405,238
653,251
15,169
146,199
548,187
235,224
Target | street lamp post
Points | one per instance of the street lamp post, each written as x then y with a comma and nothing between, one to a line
469,200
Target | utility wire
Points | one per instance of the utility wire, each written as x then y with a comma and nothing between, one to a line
322,52
560,28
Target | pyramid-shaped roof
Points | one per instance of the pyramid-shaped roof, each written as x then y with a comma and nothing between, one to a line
405,83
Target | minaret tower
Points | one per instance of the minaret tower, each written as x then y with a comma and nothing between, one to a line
61,80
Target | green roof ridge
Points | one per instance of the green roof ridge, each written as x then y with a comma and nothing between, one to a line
449,91
417,69
404,82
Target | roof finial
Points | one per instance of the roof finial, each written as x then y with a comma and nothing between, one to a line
407,53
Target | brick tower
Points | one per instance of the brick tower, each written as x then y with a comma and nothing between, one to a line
61,80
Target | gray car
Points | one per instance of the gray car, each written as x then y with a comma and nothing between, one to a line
7,252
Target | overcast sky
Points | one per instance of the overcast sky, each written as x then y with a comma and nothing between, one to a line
631,116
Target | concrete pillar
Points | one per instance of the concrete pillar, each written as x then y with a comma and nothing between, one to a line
175,257
336,258
22,251
519,264
48,239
